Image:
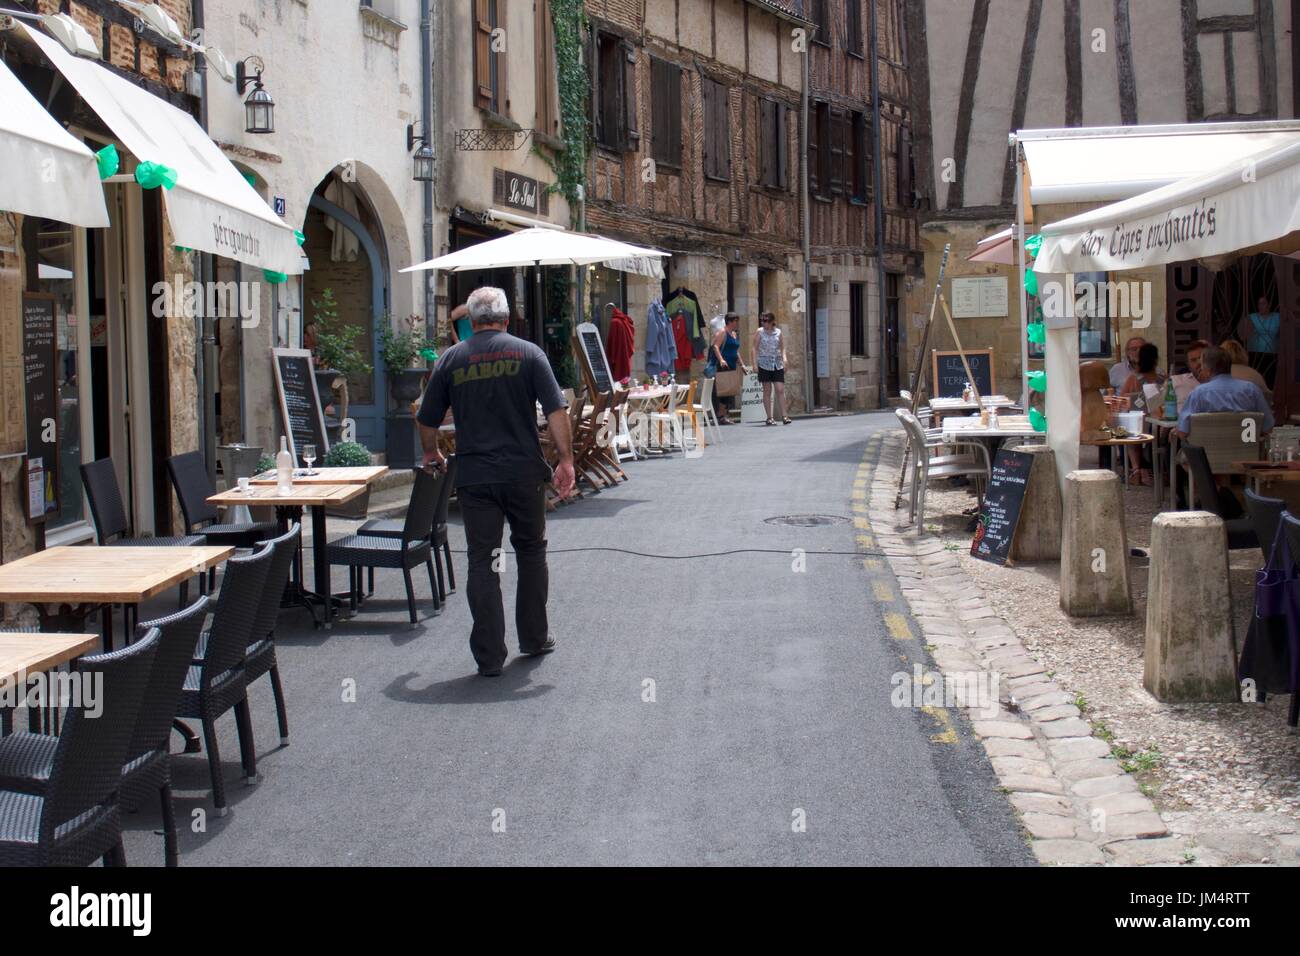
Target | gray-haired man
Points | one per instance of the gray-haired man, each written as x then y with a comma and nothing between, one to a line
492,382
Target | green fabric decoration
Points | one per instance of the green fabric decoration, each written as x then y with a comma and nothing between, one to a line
1033,244
250,178
152,175
182,249
1037,381
108,160
1031,282
298,234
275,278
1037,420
1037,333
429,355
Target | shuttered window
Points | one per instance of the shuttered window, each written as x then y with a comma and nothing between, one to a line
489,65
613,86
547,116
820,14
772,144
857,157
815,140
666,112
835,154
905,171
853,26
717,130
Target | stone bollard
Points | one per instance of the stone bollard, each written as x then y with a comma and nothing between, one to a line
1038,533
1094,547
1190,652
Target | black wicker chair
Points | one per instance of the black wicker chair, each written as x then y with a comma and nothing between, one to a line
410,550
77,819
219,682
147,767
189,477
261,647
1241,532
392,528
1265,517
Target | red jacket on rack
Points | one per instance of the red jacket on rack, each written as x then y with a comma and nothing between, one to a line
682,337
620,344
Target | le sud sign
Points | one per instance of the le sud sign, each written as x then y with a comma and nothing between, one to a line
219,300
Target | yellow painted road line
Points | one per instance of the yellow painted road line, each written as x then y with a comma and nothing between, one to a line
866,541
949,733
884,593
873,564
898,627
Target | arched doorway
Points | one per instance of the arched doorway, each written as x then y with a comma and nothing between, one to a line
349,264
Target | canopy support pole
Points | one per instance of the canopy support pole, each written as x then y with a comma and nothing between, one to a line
1020,273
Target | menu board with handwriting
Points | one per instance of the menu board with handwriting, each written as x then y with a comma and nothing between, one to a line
300,407
593,354
1000,511
42,397
13,425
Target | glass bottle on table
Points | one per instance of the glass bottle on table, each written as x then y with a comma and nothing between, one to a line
284,469
1171,401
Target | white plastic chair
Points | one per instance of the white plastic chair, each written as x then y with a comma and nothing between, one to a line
705,413
972,461
667,415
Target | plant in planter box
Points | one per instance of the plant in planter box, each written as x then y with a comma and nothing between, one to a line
404,350
346,454
334,345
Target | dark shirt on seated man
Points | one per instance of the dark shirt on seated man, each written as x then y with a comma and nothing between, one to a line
1220,392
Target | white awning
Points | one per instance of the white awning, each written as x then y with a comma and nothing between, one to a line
544,247
1105,165
1250,205
212,208
999,247
46,171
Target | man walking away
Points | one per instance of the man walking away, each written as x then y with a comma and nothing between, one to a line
492,382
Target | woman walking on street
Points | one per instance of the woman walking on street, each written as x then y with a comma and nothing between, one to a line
769,356
724,355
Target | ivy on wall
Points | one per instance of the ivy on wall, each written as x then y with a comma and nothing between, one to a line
570,164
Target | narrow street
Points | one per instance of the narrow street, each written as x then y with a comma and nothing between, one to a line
719,710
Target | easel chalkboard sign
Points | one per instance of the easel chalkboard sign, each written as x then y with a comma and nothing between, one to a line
40,385
596,365
950,375
1000,513
300,409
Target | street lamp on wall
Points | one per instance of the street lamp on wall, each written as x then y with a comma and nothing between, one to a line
259,108
422,162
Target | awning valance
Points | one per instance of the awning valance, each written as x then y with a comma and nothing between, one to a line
212,208
1249,205
46,171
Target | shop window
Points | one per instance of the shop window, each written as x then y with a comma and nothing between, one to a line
613,86
773,147
666,115
717,130
1091,309
858,319
489,64
606,286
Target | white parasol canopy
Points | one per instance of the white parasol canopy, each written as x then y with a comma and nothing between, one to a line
549,247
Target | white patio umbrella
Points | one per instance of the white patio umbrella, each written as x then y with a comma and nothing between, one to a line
549,247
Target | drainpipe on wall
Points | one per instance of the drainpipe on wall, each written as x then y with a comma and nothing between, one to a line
208,333
426,119
809,319
878,189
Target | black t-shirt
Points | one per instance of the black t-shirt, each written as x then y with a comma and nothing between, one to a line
492,382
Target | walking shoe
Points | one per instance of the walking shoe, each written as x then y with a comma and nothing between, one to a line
544,649
489,672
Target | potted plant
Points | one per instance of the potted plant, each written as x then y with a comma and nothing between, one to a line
349,454
333,342
404,350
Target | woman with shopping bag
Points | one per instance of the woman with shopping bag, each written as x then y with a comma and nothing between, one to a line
724,365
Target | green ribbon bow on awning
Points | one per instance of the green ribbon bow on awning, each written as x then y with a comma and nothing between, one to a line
1037,333
275,278
152,175
108,161
429,355
299,236
1031,282
1037,381
1033,244
1037,421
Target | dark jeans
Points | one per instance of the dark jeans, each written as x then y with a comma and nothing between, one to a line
485,509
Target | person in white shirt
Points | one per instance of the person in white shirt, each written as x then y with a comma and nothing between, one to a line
1120,371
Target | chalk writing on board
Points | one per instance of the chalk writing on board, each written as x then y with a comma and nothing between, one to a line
593,353
950,375
41,388
1000,511
299,401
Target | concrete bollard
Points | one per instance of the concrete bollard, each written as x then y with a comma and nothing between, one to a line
1038,533
1094,546
1190,651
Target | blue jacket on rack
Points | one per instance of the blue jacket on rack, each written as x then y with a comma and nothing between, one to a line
660,347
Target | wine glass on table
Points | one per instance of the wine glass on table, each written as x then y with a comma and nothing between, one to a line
309,456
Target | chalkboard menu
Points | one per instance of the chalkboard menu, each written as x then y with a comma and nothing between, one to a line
42,400
593,355
950,374
1000,513
300,408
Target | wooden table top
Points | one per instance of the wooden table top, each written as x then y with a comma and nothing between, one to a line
1109,442
89,573
305,495
23,654
1009,426
362,475
989,401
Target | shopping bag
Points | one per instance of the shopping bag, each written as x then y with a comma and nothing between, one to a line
727,384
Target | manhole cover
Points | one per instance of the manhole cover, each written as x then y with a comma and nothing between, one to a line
807,521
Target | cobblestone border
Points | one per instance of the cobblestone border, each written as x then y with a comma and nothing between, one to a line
1078,805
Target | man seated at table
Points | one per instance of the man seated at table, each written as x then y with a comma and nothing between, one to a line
1121,370
1241,367
1196,360
1220,392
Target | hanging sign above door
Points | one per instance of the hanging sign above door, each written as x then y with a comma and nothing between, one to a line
519,192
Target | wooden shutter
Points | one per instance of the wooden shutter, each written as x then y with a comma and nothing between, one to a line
835,154
722,122
853,25
852,179
597,100
666,112
712,139
814,148
904,177
766,142
483,98
823,32
631,131
544,57
782,148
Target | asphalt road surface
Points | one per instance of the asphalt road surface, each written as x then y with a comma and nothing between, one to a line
718,710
